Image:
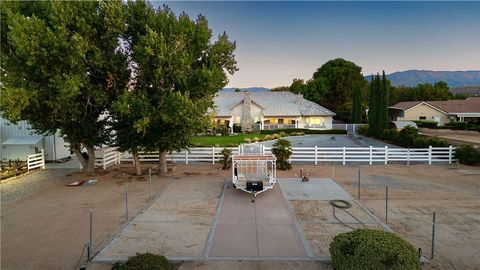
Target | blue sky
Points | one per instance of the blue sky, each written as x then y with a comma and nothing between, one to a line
279,41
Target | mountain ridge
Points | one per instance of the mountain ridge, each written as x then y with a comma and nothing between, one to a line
415,76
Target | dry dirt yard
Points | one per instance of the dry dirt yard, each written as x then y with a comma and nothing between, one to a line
45,224
415,192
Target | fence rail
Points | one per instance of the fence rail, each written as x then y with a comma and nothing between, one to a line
371,155
36,161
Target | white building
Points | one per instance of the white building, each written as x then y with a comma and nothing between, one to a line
270,110
19,140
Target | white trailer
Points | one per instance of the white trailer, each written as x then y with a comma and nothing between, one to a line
254,173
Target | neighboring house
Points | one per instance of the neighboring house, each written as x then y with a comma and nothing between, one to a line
440,111
269,110
19,140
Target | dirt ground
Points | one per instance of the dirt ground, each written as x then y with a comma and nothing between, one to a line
456,136
414,193
46,227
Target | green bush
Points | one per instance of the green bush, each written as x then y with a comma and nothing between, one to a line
426,123
457,125
256,139
247,140
223,129
268,137
282,151
226,153
144,261
237,128
372,249
305,131
276,136
467,154
283,134
363,130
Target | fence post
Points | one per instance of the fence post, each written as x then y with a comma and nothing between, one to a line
126,203
316,155
386,154
450,154
371,153
149,183
90,236
213,154
408,156
430,155
344,154
358,194
333,171
263,150
43,158
433,235
386,204
186,156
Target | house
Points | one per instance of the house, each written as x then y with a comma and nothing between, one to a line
269,110
19,140
440,111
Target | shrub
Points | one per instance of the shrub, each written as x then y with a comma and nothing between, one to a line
256,139
268,137
363,130
237,128
457,125
276,136
247,140
283,134
467,154
372,249
426,123
282,151
144,261
223,129
226,153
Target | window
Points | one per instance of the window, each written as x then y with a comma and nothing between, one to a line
422,118
237,119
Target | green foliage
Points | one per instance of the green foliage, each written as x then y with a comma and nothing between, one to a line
276,136
467,154
222,141
268,138
426,123
409,137
378,105
223,129
247,140
365,249
144,261
61,68
226,153
282,151
357,104
421,92
304,131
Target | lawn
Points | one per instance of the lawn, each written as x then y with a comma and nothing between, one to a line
224,141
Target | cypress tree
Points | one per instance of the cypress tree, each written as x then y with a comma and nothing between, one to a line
384,103
371,108
357,106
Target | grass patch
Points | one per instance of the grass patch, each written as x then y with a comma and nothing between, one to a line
224,141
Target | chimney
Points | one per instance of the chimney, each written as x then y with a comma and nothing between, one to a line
247,122
299,98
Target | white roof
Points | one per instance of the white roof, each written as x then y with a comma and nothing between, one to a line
31,140
273,104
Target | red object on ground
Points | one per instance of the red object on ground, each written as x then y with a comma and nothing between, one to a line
76,183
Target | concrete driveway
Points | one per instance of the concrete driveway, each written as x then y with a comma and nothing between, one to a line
333,140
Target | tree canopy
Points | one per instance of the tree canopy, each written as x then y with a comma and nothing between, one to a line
61,68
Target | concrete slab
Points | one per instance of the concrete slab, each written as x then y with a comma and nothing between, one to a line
265,228
324,189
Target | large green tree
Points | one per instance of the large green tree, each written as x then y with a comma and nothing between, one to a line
61,68
178,70
378,105
357,104
339,76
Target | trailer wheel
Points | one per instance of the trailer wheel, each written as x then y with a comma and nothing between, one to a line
234,185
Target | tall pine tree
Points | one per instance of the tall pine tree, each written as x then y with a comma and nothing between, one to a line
384,103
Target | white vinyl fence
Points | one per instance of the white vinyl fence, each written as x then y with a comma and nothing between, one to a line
315,155
36,161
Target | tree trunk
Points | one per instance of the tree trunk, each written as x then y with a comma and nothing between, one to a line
83,162
136,160
91,160
162,167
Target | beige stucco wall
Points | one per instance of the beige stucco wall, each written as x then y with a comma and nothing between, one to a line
255,112
424,110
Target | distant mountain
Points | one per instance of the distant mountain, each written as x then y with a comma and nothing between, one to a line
453,78
249,89
473,90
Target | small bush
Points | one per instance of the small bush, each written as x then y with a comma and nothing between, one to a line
467,154
268,137
372,249
237,128
226,153
256,139
283,134
247,140
457,125
363,130
282,151
276,136
145,261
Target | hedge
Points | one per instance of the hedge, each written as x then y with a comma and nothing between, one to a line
304,130
407,137
364,249
426,123
467,154
144,261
